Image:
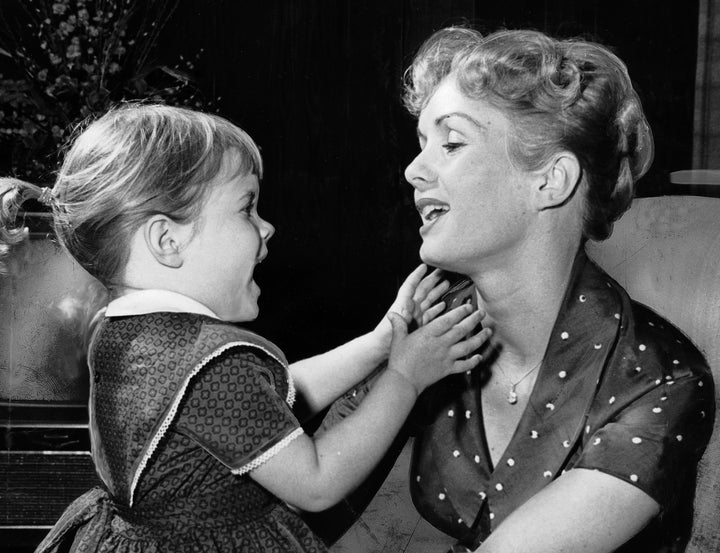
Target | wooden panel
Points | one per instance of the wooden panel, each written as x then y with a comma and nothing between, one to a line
37,487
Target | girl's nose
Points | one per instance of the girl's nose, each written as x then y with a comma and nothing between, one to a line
418,173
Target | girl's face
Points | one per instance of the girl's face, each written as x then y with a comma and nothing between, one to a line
229,239
473,202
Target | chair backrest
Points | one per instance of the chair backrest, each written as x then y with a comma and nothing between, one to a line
665,251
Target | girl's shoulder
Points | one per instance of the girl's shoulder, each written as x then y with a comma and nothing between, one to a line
231,335
197,335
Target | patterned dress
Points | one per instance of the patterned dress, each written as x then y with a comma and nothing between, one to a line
620,390
182,407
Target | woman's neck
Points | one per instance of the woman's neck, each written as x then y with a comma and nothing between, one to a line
522,298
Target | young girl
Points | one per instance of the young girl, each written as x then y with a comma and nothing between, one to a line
192,429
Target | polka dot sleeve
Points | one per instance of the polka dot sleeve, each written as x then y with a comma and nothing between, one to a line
235,409
655,441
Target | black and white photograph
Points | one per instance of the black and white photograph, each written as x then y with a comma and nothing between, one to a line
339,276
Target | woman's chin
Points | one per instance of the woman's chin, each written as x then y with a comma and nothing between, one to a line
431,255
443,261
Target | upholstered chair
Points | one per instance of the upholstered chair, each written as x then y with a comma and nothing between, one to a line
665,251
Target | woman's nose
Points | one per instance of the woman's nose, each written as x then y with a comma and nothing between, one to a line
418,173
266,230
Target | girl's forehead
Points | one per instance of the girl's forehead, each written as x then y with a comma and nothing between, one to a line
232,162
235,185
234,168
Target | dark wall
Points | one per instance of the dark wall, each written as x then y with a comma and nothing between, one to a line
317,84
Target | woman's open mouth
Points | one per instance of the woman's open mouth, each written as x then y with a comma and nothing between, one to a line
431,209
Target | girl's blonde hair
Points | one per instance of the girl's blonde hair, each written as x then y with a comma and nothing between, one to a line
570,95
135,161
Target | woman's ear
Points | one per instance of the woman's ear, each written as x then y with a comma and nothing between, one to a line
164,239
559,180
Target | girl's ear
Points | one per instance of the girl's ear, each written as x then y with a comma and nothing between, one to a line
163,238
558,181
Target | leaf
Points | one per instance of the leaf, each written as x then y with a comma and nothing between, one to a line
140,86
5,53
179,75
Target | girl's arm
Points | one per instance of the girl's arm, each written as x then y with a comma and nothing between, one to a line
314,474
583,511
321,379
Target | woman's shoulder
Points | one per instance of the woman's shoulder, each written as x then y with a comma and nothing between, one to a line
647,343
652,337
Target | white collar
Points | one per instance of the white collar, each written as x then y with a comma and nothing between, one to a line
143,302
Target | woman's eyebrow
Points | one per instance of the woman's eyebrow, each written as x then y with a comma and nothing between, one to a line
439,120
462,115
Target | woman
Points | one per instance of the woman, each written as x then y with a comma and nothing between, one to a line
583,429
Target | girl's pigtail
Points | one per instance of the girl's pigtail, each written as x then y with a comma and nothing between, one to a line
13,193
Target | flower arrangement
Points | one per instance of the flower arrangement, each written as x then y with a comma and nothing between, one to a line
71,59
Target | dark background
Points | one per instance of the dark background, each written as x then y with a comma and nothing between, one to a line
317,83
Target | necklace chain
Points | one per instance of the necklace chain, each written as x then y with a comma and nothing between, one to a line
512,396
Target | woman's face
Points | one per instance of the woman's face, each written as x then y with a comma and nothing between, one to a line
473,202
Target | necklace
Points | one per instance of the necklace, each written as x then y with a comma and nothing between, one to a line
512,396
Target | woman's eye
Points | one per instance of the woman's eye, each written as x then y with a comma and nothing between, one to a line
452,146
248,209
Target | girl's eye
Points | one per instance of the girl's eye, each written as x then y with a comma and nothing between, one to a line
250,205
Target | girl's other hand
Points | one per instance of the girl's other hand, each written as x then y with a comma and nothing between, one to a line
443,346
414,302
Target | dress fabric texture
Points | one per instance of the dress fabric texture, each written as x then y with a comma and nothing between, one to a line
182,407
620,390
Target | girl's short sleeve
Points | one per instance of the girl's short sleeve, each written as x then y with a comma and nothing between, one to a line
657,440
235,409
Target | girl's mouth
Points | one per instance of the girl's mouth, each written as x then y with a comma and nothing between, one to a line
262,254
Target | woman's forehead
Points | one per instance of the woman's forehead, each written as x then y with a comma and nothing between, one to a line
448,103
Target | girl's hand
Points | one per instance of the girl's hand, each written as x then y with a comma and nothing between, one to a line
443,346
414,302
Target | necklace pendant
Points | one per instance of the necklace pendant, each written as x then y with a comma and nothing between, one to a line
512,396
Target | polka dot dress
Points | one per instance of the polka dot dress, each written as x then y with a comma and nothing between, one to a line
620,391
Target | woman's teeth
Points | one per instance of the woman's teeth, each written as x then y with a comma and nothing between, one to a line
432,212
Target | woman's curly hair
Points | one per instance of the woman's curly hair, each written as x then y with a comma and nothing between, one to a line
559,95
